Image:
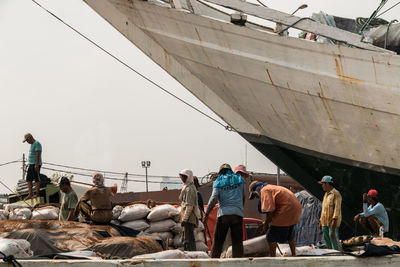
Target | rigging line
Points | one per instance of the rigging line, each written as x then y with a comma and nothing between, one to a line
261,3
227,127
10,162
108,172
388,10
110,178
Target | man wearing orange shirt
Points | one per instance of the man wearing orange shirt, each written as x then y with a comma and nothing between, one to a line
282,210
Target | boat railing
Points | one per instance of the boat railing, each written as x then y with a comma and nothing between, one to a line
203,7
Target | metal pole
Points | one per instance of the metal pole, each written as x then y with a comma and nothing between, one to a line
147,188
278,177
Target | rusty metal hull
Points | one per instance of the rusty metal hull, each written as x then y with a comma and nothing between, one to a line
333,103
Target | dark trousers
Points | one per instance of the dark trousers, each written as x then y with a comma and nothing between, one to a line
235,223
189,242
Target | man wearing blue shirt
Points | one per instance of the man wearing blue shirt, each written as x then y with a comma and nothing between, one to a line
34,164
373,216
228,192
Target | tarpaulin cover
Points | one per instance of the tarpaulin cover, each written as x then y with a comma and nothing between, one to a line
380,34
126,247
307,229
48,237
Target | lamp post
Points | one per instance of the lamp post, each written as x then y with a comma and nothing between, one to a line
300,7
146,164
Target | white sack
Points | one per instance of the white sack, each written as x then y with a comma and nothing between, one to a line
200,246
117,211
3,215
134,212
303,250
254,246
178,241
139,225
20,213
161,226
167,254
45,213
177,228
19,248
196,255
162,212
200,227
199,236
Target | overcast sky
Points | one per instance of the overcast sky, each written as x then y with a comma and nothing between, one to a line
89,111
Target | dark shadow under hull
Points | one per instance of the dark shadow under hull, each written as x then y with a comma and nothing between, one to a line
351,178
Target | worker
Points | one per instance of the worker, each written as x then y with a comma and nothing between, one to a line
200,200
282,212
69,200
374,215
228,191
190,213
95,204
241,170
34,164
331,214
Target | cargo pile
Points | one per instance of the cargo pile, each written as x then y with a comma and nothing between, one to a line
24,212
162,221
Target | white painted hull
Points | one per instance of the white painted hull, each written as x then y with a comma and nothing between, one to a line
334,100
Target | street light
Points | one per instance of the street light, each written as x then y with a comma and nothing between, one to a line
146,164
300,7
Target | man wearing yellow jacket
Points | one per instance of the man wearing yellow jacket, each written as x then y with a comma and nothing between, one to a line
331,214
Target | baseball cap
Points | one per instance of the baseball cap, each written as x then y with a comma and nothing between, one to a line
26,137
225,166
372,193
326,179
255,188
242,169
64,180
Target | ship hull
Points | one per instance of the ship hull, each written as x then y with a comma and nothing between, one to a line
312,108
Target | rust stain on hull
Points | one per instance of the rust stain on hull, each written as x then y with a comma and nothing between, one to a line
340,72
270,78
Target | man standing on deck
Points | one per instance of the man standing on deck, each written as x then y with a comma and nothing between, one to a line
228,192
373,216
69,201
282,212
34,164
331,214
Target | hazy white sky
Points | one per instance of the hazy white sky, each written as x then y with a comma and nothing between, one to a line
88,110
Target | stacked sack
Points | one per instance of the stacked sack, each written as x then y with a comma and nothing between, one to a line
162,221
21,212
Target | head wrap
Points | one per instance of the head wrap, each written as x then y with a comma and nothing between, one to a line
228,179
188,181
98,179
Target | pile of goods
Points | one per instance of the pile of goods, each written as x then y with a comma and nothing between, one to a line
162,221
24,212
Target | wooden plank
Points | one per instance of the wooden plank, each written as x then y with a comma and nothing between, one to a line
304,25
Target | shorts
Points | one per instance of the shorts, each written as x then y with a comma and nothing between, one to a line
280,234
33,175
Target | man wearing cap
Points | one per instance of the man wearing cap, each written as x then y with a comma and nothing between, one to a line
228,191
241,170
331,214
69,201
373,216
282,212
34,164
